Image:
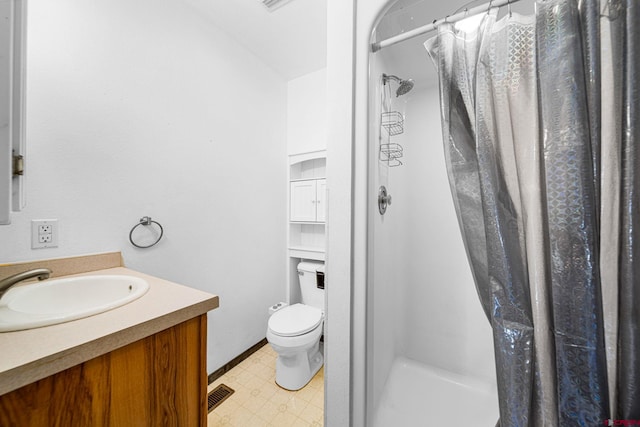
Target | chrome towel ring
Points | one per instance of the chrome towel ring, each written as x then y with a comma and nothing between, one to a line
146,221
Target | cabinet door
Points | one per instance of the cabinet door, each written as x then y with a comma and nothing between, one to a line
12,51
321,200
6,19
158,380
303,201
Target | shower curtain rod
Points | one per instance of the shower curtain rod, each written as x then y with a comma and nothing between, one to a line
430,27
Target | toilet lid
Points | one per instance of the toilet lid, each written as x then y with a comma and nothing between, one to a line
295,320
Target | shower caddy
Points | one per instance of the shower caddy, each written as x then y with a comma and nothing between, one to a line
393,124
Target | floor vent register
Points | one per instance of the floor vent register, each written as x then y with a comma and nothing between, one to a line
218,395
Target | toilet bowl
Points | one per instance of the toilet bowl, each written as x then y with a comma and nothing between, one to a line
294,332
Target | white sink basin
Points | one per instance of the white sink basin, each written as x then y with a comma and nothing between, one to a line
60,300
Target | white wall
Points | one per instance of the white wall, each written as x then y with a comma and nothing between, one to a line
307,113
339,323
350,23
144,108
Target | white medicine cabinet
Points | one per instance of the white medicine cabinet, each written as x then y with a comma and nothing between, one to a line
12,74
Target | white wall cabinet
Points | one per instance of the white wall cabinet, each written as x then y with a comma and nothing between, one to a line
12,63
308,200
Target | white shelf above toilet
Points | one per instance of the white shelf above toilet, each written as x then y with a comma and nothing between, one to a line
306,232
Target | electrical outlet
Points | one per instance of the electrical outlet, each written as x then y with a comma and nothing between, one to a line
44,233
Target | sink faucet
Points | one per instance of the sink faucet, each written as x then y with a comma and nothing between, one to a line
8,282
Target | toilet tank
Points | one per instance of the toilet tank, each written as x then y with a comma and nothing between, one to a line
311,295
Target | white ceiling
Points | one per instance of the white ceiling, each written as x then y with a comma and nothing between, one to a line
291,39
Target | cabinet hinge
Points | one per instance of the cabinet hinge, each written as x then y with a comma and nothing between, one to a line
18,165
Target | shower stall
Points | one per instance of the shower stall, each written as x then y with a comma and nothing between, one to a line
539,122
430,358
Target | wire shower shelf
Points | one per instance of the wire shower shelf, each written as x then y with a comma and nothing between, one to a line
393,122
391,154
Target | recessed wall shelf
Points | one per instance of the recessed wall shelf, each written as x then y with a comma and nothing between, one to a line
307,207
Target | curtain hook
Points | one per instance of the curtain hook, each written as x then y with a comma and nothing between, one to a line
489,8
509,7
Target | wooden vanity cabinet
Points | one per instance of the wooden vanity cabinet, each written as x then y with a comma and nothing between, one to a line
157,381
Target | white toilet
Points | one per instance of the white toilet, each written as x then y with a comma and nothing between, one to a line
294,331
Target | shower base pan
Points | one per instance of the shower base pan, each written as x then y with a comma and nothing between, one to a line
420,395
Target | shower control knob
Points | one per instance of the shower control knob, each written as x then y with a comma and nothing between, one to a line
384,200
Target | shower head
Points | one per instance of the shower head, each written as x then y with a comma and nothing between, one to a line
404,86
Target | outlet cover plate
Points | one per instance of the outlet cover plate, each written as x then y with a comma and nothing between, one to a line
44,233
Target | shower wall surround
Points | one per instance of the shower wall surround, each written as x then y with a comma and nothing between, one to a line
422,293
140,108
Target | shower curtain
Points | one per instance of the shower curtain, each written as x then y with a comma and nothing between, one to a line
540,122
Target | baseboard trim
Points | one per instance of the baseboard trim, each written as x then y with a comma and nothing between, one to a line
236,361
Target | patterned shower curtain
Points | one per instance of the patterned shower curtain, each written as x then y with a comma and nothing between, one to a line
540,122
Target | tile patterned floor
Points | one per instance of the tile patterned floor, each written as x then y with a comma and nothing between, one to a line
258,401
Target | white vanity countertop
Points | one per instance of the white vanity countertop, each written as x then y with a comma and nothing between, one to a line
30,355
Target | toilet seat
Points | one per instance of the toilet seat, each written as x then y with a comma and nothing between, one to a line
295,320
